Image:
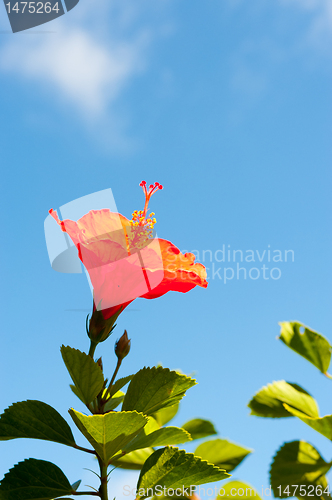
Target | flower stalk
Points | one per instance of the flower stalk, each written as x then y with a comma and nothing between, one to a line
92,349
115,373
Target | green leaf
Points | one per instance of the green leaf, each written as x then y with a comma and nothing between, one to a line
326,495
76,485
173,468
85,373
297,463
237,490
34,419
269,401
223,453
109,433
114,401
323,425
151,426
199,428
121,382
133,460
165,415
160,437
154,388
309,344
34,480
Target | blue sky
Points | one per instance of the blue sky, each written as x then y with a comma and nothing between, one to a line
227,103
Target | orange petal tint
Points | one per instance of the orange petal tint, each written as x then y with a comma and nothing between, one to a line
120,266
181,274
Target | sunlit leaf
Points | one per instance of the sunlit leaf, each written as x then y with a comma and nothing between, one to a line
309,344
165,415
297,464
269,401
223,453
121,382
133,460
173,468
114,401
199,428
154,388
160,437
109,433
237,491
323,425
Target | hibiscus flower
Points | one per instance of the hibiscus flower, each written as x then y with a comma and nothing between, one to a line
125,261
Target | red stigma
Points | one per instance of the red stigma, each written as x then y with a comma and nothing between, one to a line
152,189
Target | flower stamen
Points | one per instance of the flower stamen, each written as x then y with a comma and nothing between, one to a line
141,219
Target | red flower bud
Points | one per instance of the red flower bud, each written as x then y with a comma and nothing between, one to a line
99,327
122,346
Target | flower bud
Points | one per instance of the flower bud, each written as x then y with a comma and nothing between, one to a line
122,346
100,328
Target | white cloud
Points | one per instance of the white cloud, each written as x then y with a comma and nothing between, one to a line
320,23
72,62
83,62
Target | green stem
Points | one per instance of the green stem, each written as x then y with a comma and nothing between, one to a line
115,372
103,481
113,377
84,449
92,349
94,493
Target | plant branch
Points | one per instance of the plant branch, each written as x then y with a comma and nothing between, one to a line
113,378
84,449
94,493
115,372
92,349
103,480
